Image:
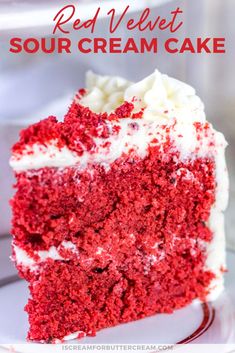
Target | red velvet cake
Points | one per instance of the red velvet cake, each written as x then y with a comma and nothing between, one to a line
118,211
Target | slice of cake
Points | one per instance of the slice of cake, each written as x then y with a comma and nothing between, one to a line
118,211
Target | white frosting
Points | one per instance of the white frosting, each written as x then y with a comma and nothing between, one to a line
68,245
161,96
164,100
74,335
222,180
183,137
40,156
22,257
216,249
216,255
104,93
71,336
52,253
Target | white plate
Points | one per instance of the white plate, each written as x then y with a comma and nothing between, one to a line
208,323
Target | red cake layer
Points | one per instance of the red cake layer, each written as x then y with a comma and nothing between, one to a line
68,298
149,217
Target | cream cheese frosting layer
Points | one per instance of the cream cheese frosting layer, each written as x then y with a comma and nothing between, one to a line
24,259
162,97
164,100
135,135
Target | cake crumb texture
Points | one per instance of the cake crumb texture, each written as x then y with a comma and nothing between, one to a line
140,230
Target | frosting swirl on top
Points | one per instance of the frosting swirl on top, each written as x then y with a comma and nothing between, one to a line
104,93
163,98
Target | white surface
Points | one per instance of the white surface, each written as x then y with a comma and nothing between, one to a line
157,329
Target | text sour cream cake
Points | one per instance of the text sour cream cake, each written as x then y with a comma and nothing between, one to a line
118,210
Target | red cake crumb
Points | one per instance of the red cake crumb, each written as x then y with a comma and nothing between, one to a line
81,92
79,124
125,110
